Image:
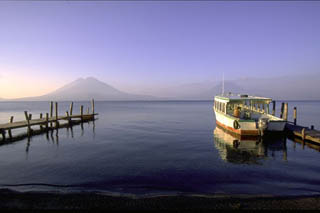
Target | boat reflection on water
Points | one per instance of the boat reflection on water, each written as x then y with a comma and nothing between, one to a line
248,150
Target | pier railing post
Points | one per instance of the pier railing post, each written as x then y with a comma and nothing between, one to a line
295,115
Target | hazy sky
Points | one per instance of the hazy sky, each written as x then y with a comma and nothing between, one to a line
139,44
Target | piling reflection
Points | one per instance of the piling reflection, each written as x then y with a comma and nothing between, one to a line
248,150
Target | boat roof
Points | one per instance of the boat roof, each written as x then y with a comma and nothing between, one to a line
241,97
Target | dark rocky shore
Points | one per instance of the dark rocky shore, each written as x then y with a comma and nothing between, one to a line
45,200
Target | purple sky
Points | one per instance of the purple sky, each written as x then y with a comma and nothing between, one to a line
142,43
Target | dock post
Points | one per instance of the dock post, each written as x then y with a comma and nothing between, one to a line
92,106
47,120
285,112
30,116
303,134
81,112
9,131
28,122
41,119
68,117
56,109
51,112
71,109
281,111
273,108
3,132
295,115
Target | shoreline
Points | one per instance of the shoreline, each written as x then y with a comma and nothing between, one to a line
92,200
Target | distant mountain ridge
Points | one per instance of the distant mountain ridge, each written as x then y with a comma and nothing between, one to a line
295,87
84,89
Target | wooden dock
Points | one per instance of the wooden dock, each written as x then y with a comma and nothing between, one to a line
294,130
46,123
305,133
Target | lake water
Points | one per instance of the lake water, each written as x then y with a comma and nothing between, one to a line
151,148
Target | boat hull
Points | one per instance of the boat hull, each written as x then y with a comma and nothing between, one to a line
246,127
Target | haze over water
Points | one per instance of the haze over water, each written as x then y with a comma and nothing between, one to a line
156,147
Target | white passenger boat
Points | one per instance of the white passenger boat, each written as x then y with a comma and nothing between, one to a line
246,115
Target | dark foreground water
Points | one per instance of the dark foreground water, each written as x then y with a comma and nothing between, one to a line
150,148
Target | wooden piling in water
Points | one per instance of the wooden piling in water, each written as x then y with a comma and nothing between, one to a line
68,117
56,109
285,112
295,115
51,112
281,110
3,132
9,131
47,120
41,118
273,107
92,106
28,122
71,108
303,134
81,112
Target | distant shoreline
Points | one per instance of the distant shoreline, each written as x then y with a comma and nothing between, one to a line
10,101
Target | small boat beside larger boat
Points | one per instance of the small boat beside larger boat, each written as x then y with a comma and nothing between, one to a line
246,115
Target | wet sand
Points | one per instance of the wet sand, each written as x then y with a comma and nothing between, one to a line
45,200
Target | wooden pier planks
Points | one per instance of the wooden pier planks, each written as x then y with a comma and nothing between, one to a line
304,133
21,124
45,121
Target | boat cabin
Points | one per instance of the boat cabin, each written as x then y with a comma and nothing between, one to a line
242,106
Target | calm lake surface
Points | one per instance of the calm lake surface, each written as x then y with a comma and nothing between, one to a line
151,148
